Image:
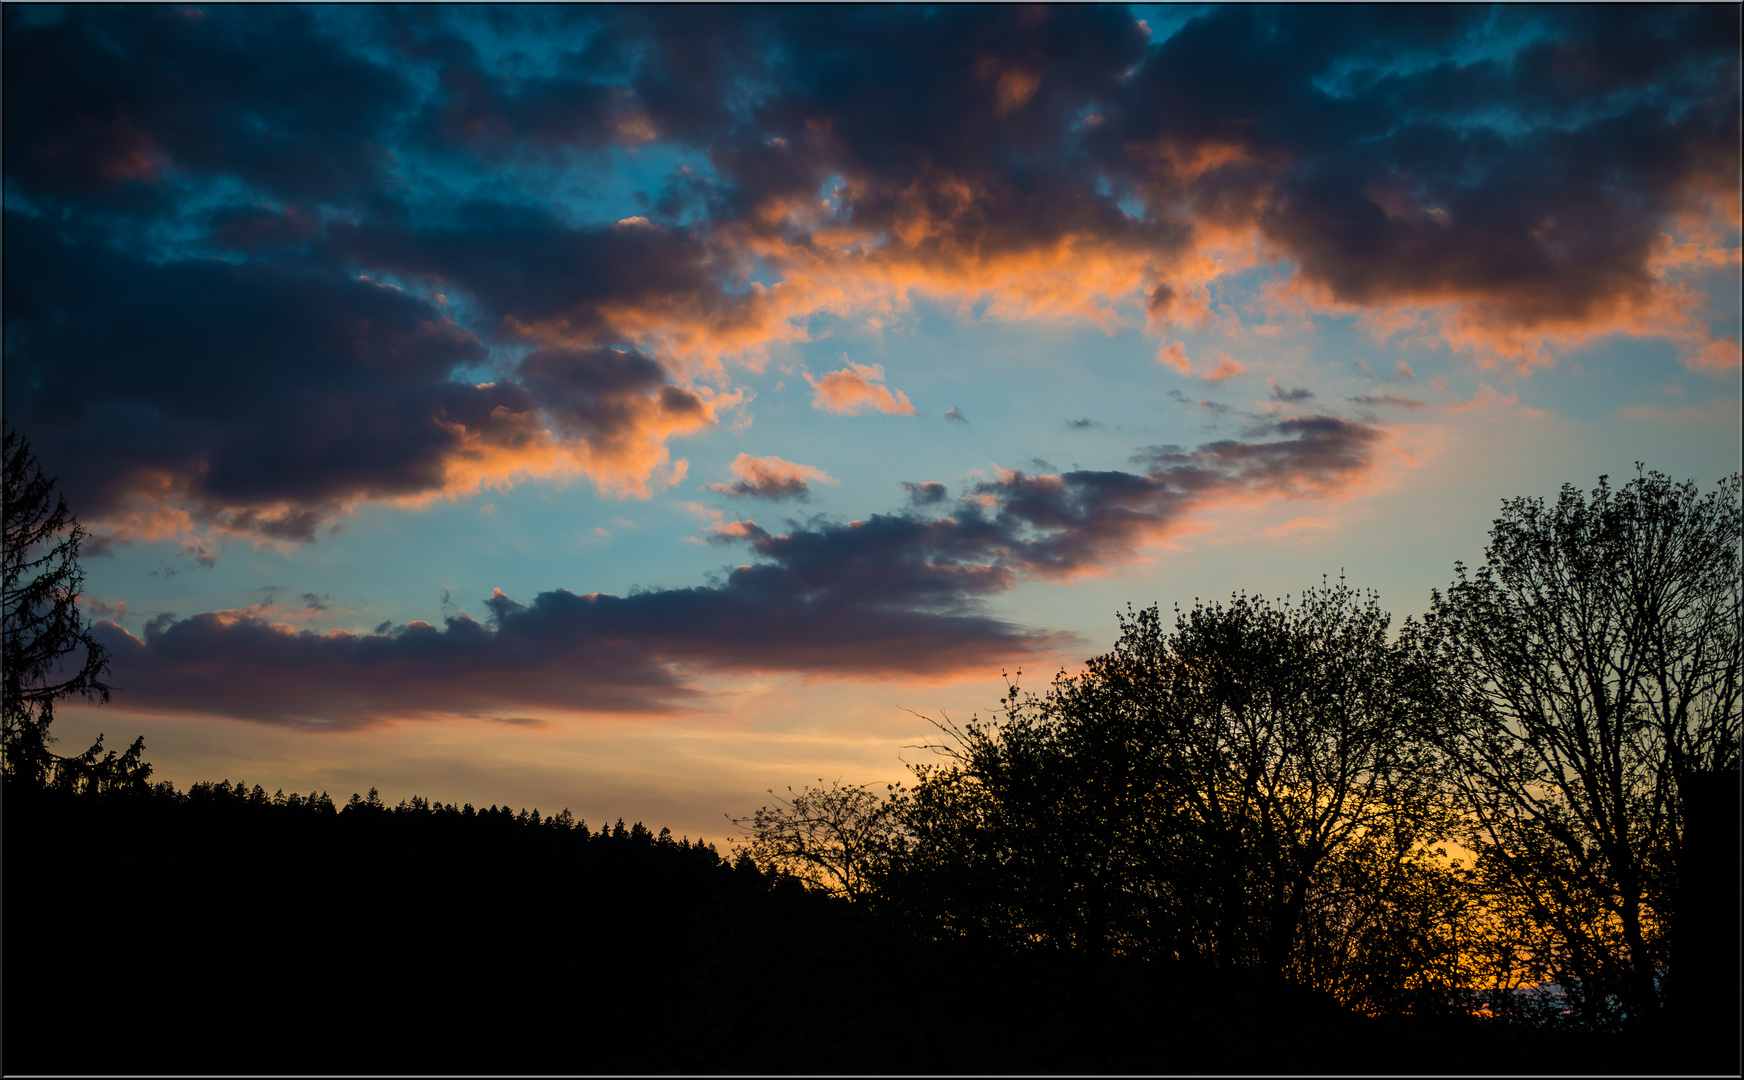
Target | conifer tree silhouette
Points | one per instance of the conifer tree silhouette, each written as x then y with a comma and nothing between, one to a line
48,650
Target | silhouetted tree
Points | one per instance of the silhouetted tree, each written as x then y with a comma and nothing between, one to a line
1238,794
834,839
1588,667
48,651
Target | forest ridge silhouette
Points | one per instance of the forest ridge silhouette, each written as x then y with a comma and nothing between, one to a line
1263,835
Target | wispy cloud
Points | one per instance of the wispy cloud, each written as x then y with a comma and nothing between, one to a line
1393,400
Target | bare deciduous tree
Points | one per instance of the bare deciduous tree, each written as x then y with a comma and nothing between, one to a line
1588,667
831,838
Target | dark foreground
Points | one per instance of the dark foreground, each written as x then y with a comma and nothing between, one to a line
214,934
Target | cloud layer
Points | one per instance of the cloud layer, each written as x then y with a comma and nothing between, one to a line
268,264
897,594
1508,182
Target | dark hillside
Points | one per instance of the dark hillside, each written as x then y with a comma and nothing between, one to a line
212,934
217,932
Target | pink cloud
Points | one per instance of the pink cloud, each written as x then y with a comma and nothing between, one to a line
735,531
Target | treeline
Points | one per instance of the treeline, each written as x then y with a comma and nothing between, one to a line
369,806
224,930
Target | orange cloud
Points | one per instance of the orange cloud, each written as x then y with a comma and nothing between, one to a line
1227,367
1714,355
627,459
771,478
943,242
1013,85
1487,397
1174,355
735,531
855,388
1527,325
1213,208
933,250
950,236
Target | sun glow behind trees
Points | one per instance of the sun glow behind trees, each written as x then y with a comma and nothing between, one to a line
1273,787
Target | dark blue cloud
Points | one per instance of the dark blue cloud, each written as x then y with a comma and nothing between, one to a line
1523,160
119,106
264,396
196,195
524,264
900,593
231,386
1533,182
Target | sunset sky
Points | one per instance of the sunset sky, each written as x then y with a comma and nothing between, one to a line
635,409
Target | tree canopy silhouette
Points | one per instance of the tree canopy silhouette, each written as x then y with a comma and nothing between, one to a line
1244,793
836,839
1272,788
48,650
1585,672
